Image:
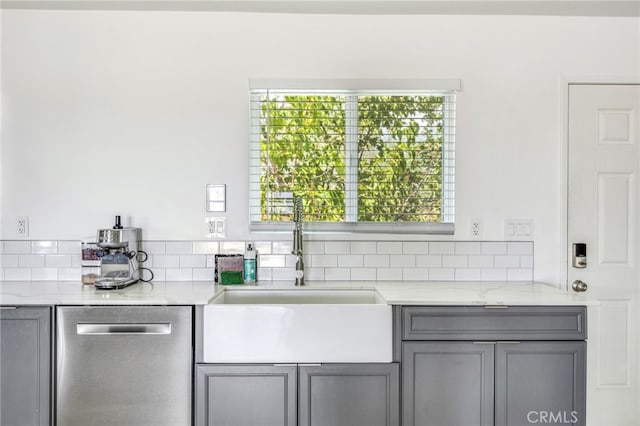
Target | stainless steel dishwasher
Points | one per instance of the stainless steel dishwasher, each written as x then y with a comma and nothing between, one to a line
124,365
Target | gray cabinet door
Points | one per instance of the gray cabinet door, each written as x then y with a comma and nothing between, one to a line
25,366
540,382
245,395
349,395
447,384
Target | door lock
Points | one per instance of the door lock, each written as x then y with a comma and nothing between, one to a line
579,255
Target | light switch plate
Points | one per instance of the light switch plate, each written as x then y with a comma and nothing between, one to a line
216,198
518,229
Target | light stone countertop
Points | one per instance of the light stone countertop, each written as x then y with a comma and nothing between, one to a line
200,293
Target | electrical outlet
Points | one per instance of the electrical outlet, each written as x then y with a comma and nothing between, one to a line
476,228
215,227
22,226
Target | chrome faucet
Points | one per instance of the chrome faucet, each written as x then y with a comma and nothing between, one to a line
297,239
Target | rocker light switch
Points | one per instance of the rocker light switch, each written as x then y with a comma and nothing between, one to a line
216,198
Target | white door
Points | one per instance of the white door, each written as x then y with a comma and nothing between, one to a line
603,212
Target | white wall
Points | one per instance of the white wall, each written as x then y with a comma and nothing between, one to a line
133,113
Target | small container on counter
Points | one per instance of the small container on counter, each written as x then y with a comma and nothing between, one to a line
250,265
89,262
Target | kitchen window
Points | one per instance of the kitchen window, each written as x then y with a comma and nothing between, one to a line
364,155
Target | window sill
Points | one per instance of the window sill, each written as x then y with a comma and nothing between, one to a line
358,228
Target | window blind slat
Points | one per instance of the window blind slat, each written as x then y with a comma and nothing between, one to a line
353,156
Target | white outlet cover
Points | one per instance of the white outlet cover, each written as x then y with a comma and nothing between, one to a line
478,235
22,227
215,227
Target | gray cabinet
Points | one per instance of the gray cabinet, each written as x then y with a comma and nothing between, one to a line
527,366
447,383
25,365
540,380
288,395
245,395
349,395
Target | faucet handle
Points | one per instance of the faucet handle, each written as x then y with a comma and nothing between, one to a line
297,209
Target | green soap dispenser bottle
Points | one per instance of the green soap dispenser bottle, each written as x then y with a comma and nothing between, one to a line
250,265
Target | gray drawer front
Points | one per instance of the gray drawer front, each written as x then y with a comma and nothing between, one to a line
480,323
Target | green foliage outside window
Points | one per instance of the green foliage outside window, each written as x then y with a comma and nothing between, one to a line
305,150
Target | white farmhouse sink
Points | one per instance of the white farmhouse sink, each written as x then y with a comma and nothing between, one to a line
297,326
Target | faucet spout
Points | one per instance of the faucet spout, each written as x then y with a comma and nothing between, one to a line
297,240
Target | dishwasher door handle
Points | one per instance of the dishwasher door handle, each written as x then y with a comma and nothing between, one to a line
123,328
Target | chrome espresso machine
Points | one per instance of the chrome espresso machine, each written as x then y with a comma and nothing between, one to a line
118,254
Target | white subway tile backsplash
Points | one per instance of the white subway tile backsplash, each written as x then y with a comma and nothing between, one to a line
376,261
363,274
193,261
17,274
441,274
337,274
494,247
335,260
76,261
389,247
468,274
522,274
283,274
179,247
429,261
17,247
521,248
282,247
337,247
468,247
290,260
263,247
415,274
314,247
389,274
8,260
44,247
205,247
314,274
232,247
69,274
526,261
272,261
507,261
363,247
159,274
402,261
153,247
58,261
203,274
454,261
44,274
31,261
69,247
480,261
415,247
351,261
264,274
165,261
324,261
179,274
441,247
493,274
